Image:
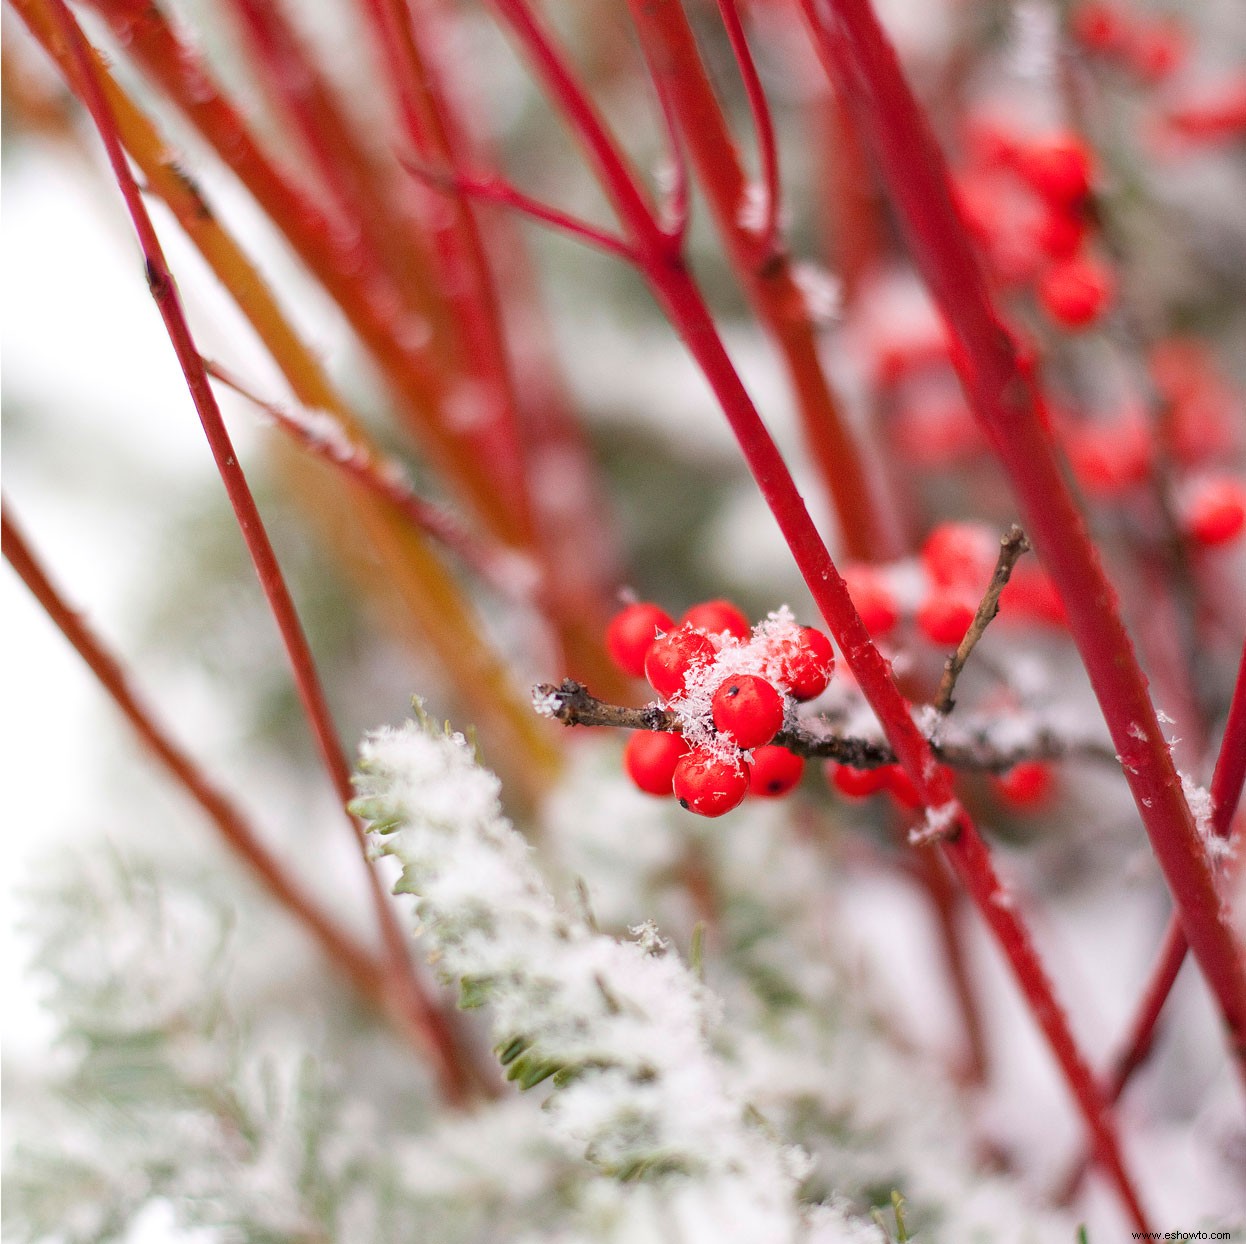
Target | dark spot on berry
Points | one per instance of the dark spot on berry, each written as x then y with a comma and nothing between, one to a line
683,803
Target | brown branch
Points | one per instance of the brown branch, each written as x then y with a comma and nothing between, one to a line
1011,545
574,705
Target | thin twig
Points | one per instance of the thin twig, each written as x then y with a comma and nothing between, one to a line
494,189
574,705
513,574
1012,544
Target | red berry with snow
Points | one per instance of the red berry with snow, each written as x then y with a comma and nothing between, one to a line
1075,292
1026,785
1215,511
748,709
775,771
807,664
671,658
716,616
631,634
944,617
709,785
650,758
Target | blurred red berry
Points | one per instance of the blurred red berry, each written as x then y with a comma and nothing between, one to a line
875,601
807,664
748,709
775,771
960,555
1058,168
669,659
1031,594
631,633
1061,233
1076,291
650,758
1155,50
1110,458
716,616
900,786
945,615
1215,510
855,783
1101,27
1026,785
708,785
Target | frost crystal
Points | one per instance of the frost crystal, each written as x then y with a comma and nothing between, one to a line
620,1026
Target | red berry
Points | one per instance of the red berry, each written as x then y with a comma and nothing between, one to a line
1215,511
650,758
944,617
1058,168
807,664
1075,292
1110,458
1026,785
669,659
630,634
900,786
716,616
1101,27
706,784
749,709
855,783
960,555
1061,233
1157,49
1031,594
875,601
775,771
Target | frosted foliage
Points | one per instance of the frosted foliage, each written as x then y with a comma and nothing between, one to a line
621,1025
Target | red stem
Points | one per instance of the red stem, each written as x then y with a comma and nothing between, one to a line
422,1014
763,124
1226,792
1002,394
965,850
496,190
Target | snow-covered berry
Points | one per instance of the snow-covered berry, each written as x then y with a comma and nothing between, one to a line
671,658
807,664
748,709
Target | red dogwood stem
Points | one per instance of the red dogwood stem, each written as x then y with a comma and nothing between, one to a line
857,53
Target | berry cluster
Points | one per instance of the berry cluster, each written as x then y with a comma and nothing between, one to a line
1027,203
732,685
